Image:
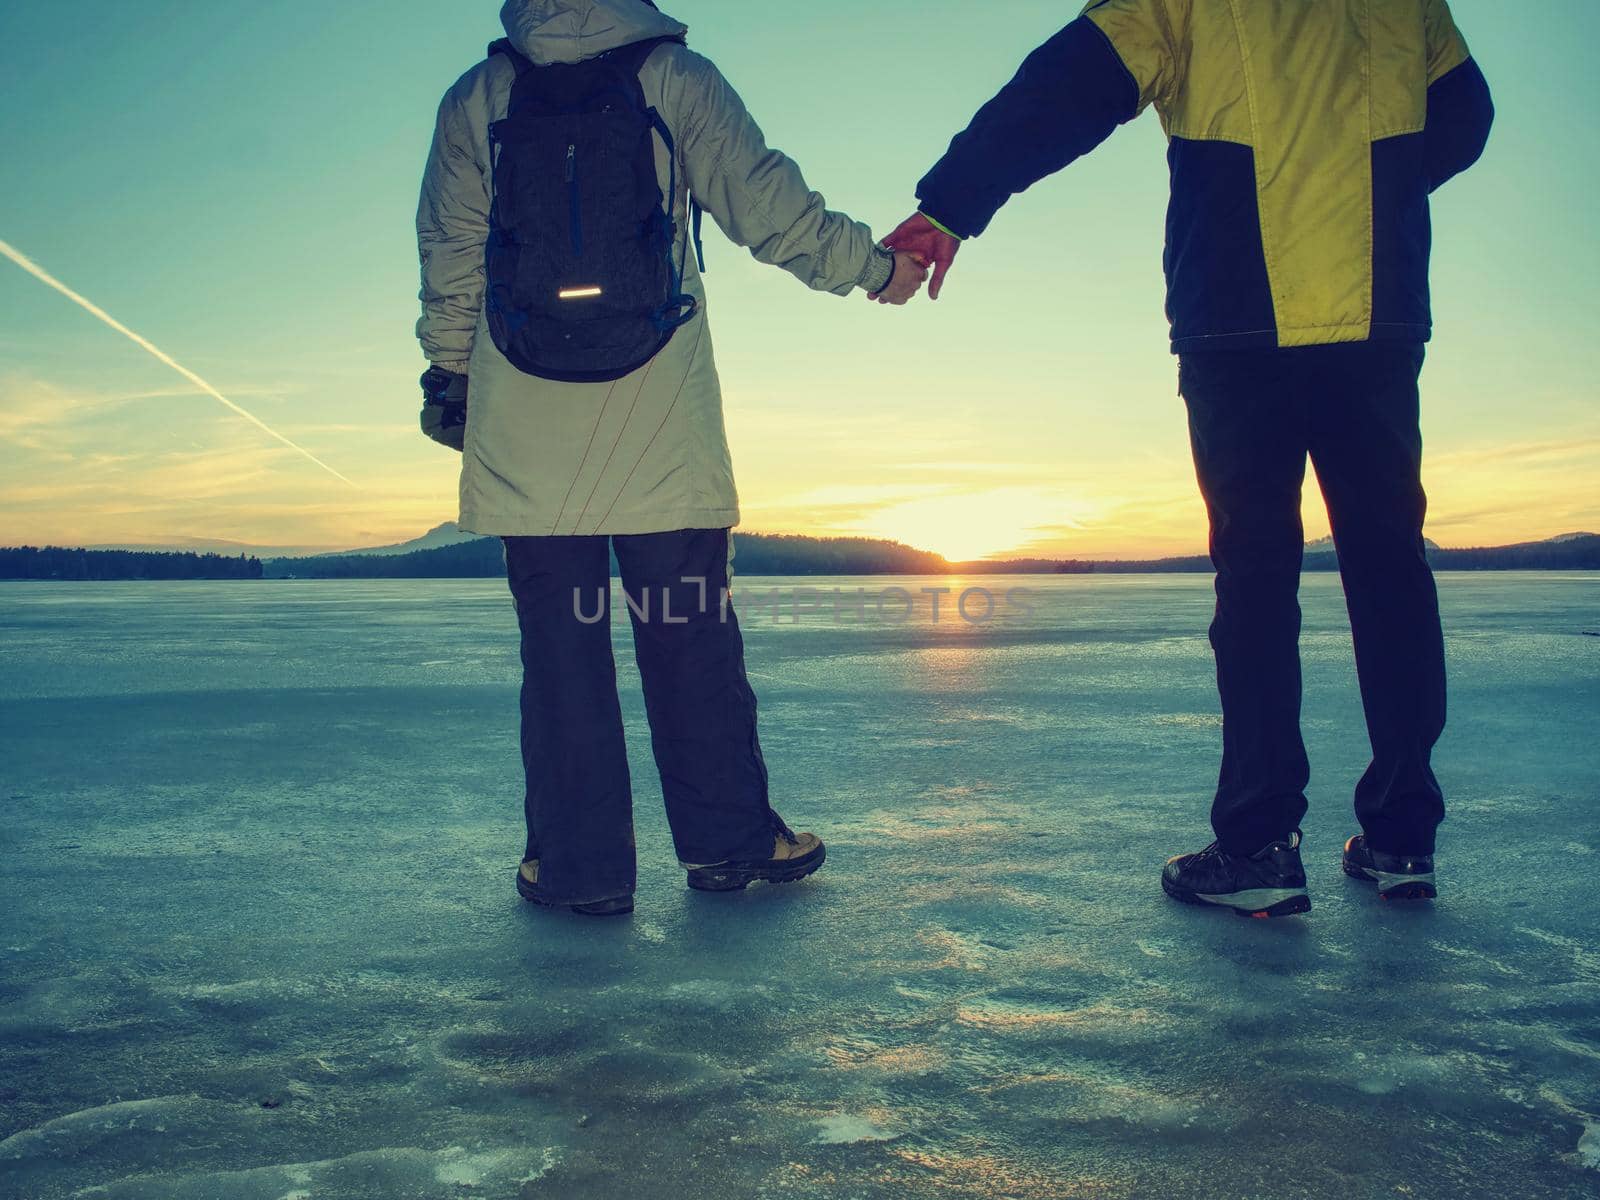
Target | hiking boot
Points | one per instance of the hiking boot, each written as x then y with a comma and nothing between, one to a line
1398,876
794,856
528,889
1269,883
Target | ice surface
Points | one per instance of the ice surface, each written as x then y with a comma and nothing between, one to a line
258,938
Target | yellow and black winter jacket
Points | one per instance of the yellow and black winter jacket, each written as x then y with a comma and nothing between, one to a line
1304,139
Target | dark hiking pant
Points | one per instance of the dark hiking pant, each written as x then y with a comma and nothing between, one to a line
702,712
1254,415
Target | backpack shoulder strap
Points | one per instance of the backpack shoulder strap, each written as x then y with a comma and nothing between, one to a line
631,58
518,59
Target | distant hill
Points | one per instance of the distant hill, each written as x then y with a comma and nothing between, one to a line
1326,543
440,536
789,554
754,554
1570,552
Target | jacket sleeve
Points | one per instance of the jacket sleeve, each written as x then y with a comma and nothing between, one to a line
452,228
1070,95
757,195
1460,109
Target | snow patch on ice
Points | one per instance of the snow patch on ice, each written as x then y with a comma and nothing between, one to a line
1005,1014
845,1128
391,1171
1380,1076
1571,1046
718,994
1589,1145
87,1125
1584,959
467,1170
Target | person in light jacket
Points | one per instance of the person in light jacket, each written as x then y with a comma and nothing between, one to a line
567,472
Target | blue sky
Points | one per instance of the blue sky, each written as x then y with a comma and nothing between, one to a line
238,182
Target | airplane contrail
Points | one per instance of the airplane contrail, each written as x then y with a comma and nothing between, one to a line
43,276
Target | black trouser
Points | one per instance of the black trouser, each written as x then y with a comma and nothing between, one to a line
701,709
1253,417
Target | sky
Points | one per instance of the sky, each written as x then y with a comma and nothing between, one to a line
237,183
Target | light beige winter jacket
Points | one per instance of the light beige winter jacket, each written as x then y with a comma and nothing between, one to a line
649,453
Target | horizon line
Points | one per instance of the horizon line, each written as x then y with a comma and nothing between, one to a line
225,547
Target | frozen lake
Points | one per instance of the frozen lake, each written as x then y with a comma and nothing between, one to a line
258,939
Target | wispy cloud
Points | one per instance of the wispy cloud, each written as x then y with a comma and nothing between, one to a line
1497,492
149,347
82,466
1583,448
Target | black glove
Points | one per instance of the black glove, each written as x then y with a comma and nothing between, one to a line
444,407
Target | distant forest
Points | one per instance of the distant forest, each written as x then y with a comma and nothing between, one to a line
52,562
482,559
1577,553
1571,554
755,554
770,554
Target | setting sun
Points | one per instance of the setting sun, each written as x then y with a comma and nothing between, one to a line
1001,522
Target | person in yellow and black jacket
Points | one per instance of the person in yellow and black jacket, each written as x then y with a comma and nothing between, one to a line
1305,137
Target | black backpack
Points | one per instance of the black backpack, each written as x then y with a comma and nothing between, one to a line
582,276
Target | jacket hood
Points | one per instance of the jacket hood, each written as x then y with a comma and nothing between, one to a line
569,31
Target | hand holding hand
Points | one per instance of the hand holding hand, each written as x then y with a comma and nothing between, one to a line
919,236
910,273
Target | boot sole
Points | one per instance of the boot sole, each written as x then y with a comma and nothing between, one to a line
735,877
1260,903
621,906
1394,887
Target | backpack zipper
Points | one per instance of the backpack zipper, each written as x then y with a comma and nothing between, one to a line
576,200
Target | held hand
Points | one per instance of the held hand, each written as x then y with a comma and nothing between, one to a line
910,272
920,236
